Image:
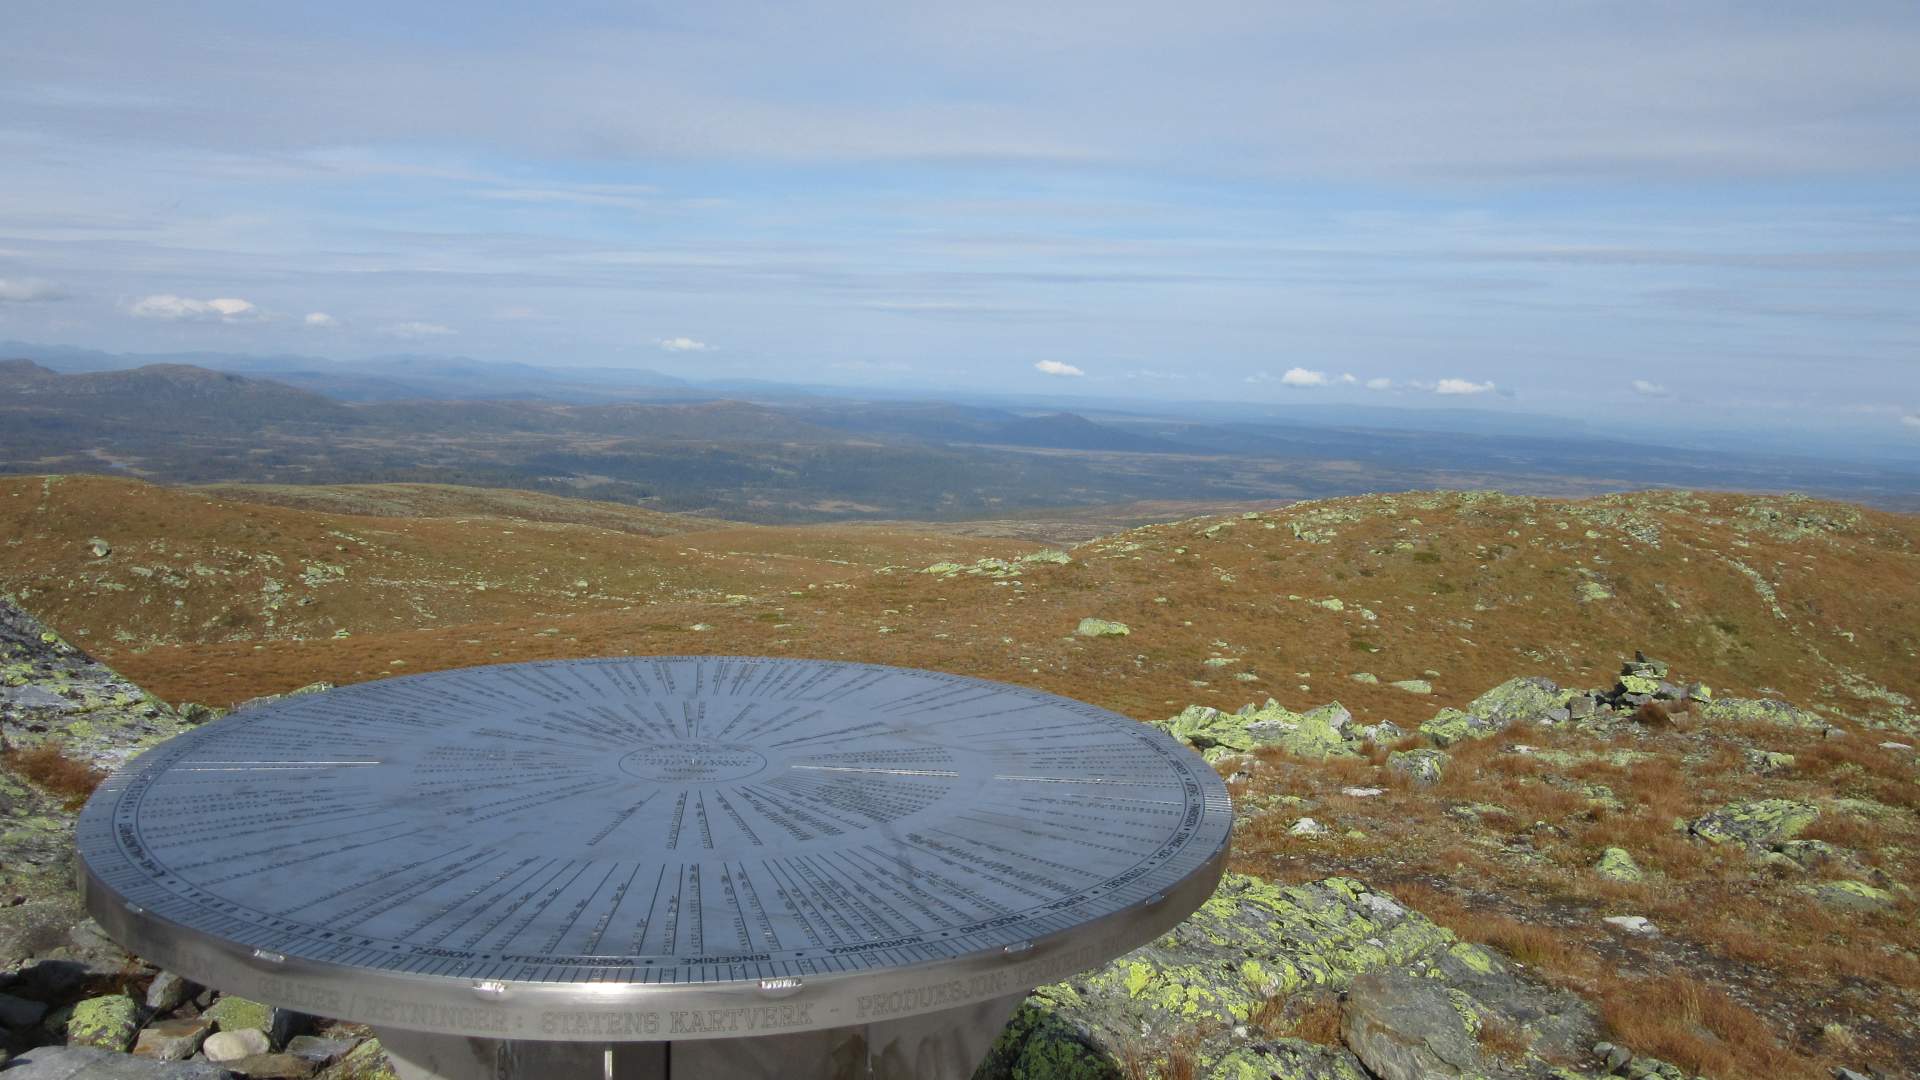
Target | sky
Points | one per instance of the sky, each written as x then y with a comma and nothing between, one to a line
1703,212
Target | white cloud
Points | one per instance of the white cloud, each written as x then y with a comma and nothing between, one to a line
166,306
1294,376
1379,384
414,331
1055,367
683,344
1348,378
1912,420
321,319
1651,389
1461,386
28,290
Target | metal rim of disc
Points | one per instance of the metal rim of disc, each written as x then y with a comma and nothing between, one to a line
215,940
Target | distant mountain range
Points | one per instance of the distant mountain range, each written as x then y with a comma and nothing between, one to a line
398,377
806,457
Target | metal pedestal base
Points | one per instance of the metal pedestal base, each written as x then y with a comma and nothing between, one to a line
945,1045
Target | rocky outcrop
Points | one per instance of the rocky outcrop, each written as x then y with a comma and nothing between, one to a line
1321,732
1000,568
1415,997
1760,825
51,690
62,980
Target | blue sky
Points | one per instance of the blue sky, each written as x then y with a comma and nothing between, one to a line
1705,210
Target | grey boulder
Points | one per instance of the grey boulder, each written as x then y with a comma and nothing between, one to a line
89,1063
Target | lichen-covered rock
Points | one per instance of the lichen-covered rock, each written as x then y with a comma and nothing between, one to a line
1766,762
1528,697
233,1013
1000,568
1096,628
1616,864
1450,726
1639,684
92,1063
1413,686
51,690
1515,700
1320,732
1251,941
109,1022
1286,1059
1424,767
1850,896
1802,855
1762,711
1405,1027
1757,825
367,1062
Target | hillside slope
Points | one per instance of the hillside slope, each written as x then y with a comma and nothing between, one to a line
1751,812
1816,601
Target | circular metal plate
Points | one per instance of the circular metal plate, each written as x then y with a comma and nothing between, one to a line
565,850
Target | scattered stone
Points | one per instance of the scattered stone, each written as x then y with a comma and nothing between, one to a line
1614,1057
321,1051
1528,698
1804,855
367,1062
1633,924
100,548
168,992
1319,732
1757,825
272,1067
1616,864
232,1013
1380,734
1424,767
1850,896
108,1022
1097,628
1413,686
1307,827
999,568
92,1063
1766,762
1763,711
233,1045
173,1040
1366,677
1362,792
1641,665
